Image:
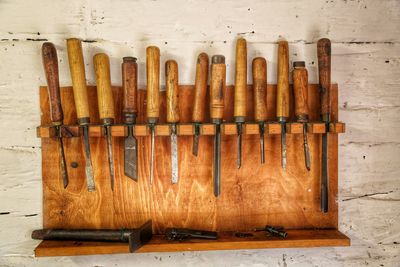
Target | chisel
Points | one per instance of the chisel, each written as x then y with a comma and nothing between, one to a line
106,103
200,90
324,71
171,86
259,67
300,88
129,114
282,102
217,88
153,96
50,64
239,111
77,69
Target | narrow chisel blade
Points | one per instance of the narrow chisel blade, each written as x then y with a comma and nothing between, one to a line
130,155
283,146
63,165
324,174
110,155
217,161
88,164
307,156
262,150
152,154
239,145
174,158
195,148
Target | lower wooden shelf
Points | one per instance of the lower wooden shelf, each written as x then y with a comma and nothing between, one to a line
226,241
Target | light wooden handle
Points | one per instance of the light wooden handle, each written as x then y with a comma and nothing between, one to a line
77,69
300,88
171,84
282,104
50,64
217,87
200,88
260,88
324,70
129,86
153,83
104,91
239,108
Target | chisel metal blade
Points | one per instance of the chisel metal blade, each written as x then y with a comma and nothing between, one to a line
110,154
63,165
130,155
217,160
152,153
306,148
283,146
174,156
88,164
239,145
324,174
196,137
262,152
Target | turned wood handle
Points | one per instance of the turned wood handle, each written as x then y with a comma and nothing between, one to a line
260,88
50,63
171,86
200,88
239,108
324,71
282,103
129,86
217,87
153,83
78,77
300,88
104,91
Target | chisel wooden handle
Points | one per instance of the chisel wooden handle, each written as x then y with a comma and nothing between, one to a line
239,108
259,67
200,88
50,63
324,70
129,86
171,86
300,88
153,83
282,105
77,69
104,91
217,87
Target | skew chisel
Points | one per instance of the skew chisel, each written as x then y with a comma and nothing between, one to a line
105,100
217,88
200,90
171,84
260,93
50,64
300,88
77,69
129,114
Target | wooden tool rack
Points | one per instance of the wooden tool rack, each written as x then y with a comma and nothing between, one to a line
252,196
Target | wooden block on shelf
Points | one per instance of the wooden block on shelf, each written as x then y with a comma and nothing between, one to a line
45,131
337,127
294,128
228,129
186,129
207,129
316,128
251,128
273,128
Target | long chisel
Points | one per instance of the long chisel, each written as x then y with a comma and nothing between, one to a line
105,100
50,64
77,69
239,112
129,114
300,88
324,71
282,101
171,84
259,68
200,91
153,96
217,88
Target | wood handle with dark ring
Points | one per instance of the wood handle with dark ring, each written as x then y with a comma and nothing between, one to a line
300,88
282,104
104,91
324,71
217,87
172,88
129,86
200,88
259,69
239,109
153,83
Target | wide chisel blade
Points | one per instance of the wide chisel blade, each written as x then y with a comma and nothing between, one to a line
88,165
130,155
174,158
110,155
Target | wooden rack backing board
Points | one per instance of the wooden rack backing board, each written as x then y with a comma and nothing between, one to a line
253,196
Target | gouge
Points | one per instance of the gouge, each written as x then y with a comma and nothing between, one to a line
106,103
239,111
129,113
282,103
324,71
200,90
50,64
260,93
153,96
300,88
77,69
171,84
217,88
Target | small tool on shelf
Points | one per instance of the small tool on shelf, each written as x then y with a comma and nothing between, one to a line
181,234
273,231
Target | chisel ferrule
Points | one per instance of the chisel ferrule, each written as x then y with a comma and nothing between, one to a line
108,121
84,121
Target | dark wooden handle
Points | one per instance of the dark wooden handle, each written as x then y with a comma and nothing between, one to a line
153,83
217,87
300,88
239,109
282,104
200,88
171,84
50,63
324,71
104,91
259,68
129,86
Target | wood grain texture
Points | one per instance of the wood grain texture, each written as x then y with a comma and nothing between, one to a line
217,87
172,91
300,89
239,109
130,86
282,106
101,64
324,73
153,82
200,91
259,72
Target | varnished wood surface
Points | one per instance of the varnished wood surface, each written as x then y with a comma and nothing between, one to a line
105,100
129,72
259,72
153,81
300,89
282,98
200,92
324,73
240,102
172,91
218,88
